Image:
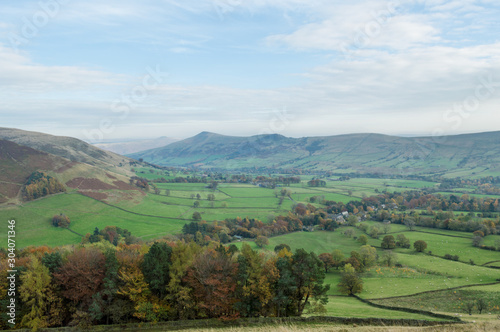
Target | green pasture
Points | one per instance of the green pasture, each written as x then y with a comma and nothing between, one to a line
451,301
33,220
441,245
344,306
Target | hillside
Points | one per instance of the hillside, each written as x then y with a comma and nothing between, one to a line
67,147
367,153
18,162
128,147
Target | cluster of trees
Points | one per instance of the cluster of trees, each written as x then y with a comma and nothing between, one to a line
265,181
301,218
140,182
39,184
111,234
316,183
102,284
61,220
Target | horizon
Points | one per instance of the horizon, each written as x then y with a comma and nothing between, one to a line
105,71
126,140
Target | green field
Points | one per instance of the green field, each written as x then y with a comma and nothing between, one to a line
151,216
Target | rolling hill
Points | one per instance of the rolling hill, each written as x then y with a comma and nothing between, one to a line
69,148
367,153
81,167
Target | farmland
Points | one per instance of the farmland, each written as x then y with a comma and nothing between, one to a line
422,281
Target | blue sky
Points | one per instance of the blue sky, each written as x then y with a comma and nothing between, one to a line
246,67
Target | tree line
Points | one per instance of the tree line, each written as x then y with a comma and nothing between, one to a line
99,283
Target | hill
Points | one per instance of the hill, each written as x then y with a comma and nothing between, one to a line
469,154
18,162
128,147
69,148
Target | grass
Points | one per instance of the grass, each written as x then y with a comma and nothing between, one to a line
33,220
449,301
344,306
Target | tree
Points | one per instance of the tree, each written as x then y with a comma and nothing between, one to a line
156,268
338,257
81,276
38,295
368,255
476,241
282,246
481,305
374,232
308,276
350,282
327,260
197,216
388,242
254,282
61,220
363,239
389,258
420,245
167,192
349,232
178,293
196,204
469,306
211,197
53,261
386,227
211,279
402,241
410,223
261,241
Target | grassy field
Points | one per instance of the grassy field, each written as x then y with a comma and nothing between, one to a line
150,216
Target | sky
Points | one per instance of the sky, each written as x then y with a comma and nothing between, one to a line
119,69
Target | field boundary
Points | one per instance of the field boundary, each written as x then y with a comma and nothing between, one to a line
136,213
409,310
434,291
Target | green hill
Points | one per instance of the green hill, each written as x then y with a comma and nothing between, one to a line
367,153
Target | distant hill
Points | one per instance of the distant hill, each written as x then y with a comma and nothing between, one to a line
70,148
367,153
77,165
124,148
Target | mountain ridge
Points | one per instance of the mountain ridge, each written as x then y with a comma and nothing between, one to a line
365,152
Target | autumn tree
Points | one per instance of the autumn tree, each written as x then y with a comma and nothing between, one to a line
38,293
254,289
328,261
261,241
350,282
81,276
61,220
178,293
211,278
